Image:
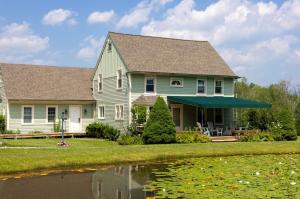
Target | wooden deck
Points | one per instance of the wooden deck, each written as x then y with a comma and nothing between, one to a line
223,138
40,135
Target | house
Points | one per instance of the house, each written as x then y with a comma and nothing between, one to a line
190,75
33,96
131,70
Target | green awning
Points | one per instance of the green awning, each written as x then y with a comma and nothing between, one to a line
218,102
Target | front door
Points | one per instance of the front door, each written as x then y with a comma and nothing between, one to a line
177,116
75,119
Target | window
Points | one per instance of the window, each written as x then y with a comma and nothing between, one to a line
119,79
27,114
200,86
100,82
150,85
219,115
51,114
109,46
119,109
118,194
218,87
176,82
101,112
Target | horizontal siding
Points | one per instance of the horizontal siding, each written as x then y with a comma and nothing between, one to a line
40,120
189,85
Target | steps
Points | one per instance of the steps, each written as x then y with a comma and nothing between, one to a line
223,139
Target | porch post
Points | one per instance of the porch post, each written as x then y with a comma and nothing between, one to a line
202,116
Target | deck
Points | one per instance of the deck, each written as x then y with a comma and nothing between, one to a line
223,138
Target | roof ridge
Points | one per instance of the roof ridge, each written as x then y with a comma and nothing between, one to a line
158,37
45,65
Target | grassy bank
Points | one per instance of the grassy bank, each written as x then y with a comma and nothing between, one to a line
94,151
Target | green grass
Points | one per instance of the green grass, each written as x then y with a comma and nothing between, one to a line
84,152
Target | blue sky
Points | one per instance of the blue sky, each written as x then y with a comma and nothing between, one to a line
260,40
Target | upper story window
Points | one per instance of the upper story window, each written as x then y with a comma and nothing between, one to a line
100,83
109,46
119,79
218,87
200,86
150,85
27,114
51,114
176,82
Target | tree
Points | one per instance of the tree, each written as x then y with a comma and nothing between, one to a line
287,122
297,118
159,127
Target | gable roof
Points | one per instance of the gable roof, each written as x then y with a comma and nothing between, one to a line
167,55
40,82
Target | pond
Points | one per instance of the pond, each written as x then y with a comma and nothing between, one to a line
263,176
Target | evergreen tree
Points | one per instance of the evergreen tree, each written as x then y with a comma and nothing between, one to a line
159,127
297,118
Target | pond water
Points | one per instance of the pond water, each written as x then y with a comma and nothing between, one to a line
265,176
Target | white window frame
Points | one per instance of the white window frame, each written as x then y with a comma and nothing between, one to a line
99,112
109,46
205,87
32,115
223,117
222,85
100,90
145,85
119,77
56,113
176,86
117,108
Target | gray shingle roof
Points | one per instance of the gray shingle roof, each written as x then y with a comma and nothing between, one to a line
38,82
166,55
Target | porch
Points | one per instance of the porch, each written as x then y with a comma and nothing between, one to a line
214,115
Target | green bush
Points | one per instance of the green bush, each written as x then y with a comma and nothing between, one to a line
56,125
130,140
191,137
2,124
100,130
297,118
11,132
257,136
159,127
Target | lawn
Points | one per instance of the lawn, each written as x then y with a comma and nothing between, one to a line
84,152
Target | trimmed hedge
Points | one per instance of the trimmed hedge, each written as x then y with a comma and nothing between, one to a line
191,137
100,130
2,124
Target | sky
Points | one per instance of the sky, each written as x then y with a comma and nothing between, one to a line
260,40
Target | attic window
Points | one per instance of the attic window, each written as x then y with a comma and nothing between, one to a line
109,46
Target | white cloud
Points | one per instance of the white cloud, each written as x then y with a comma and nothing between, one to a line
141,13
253,37
100,17
90,48
18,43
59,16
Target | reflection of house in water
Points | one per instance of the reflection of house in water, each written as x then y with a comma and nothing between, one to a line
120,183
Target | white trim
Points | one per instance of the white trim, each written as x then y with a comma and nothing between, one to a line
69,118
7,116
222,83
223,117
99,91
22,115
129,99
121,77
101,118
56,113
181,115
176,86
145,85
205,87
120,118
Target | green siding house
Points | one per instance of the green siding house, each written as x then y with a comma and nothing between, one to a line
131,70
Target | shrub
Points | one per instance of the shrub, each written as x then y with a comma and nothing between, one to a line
257,137
297,118
100,130
2,124
191,137
159,127
56,125
130,140
245,132
11,132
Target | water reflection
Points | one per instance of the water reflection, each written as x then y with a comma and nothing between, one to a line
123,182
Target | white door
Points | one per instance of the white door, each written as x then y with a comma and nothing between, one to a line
177,115
75,119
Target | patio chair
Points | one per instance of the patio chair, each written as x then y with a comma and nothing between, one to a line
211,128
203,129
244,128
219,131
